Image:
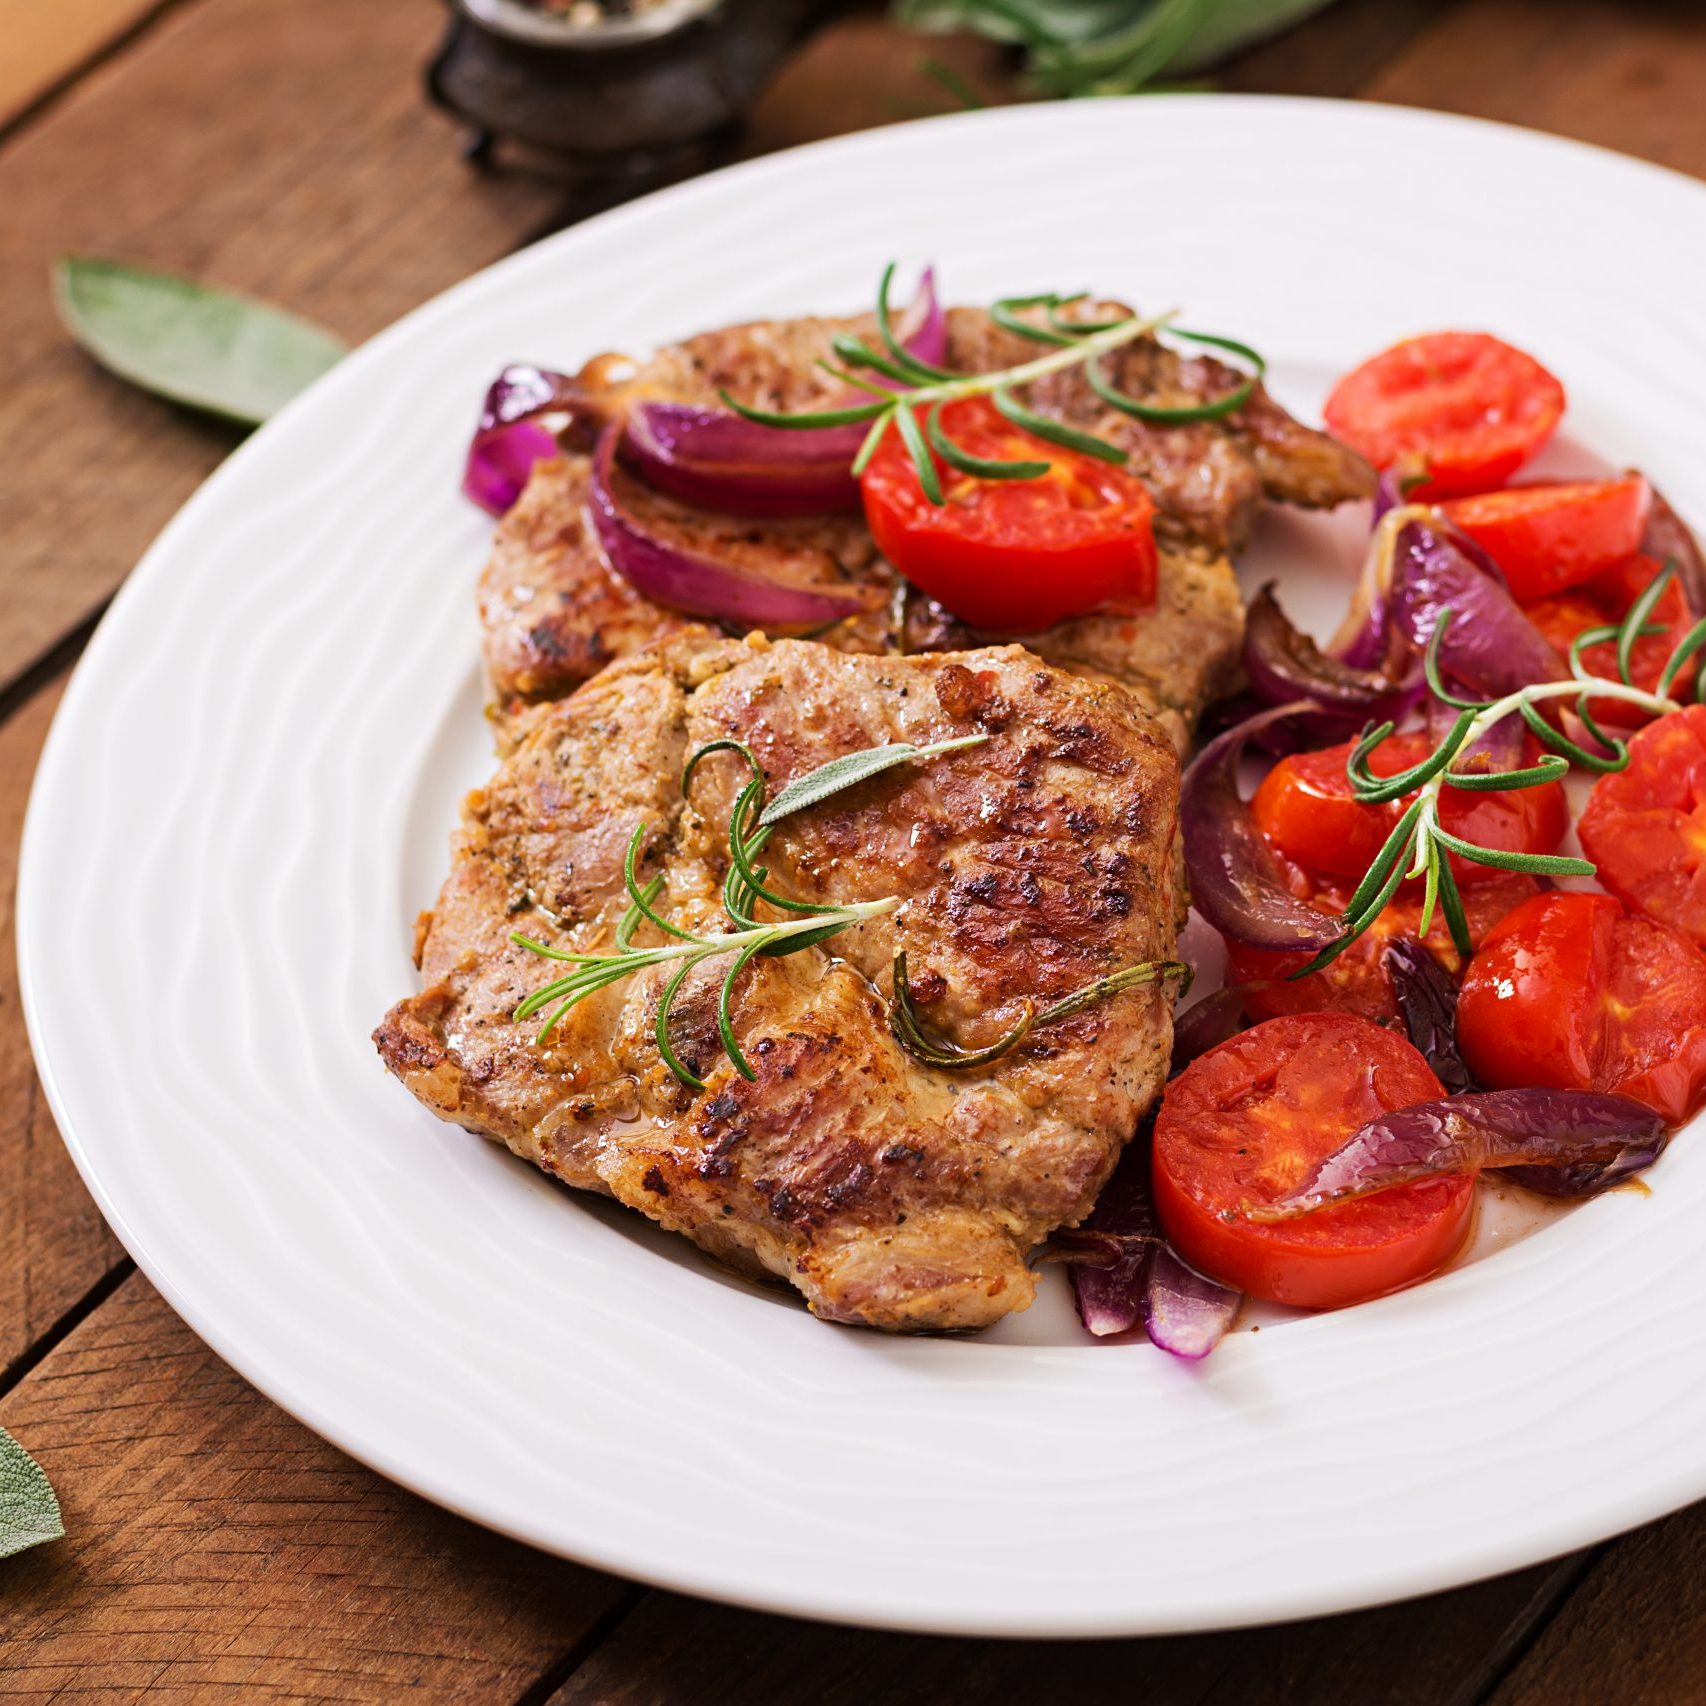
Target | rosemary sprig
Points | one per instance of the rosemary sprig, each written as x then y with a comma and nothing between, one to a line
909,1031
751,824
920,388
747,883
1419,845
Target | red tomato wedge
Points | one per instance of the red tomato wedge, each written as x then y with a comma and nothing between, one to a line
1573,992
1307,809
1244,1124
1604,600
1014,556
1645,828
1475,408
1357,981
1546,538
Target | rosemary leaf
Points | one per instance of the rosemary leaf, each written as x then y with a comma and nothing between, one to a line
854,767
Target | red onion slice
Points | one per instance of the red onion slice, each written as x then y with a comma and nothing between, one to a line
1426,994
688,580
511,437
1670,539
1118,1239
1490,648
1215,1019
720,460
1284,664
1184,1312
1128,1274
1607,1137
1235,880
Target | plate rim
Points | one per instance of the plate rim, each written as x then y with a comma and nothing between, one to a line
254,1366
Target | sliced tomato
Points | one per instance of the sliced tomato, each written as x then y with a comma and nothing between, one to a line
1245,1123
1357,981
1014,556
1573,992
1308,810
1473,407
1605,599
1546,538
1645,828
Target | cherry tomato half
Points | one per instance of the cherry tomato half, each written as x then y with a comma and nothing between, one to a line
1307,809
1572,992
1549,537
1014,556
1357,981
1244,1124
1645,828
1474,407
1603,600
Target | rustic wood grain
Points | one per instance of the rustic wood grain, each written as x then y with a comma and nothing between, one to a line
218,1550
675,1652
53,1243
1335,52
1635,1629
284,149
859,71
1627,74
43,42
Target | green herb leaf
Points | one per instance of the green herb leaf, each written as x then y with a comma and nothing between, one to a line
853,767
29,1512
210,349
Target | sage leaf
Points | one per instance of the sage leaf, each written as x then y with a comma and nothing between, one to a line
210,349
853,767
29,1512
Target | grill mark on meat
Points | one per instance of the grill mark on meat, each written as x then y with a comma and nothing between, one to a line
889,1194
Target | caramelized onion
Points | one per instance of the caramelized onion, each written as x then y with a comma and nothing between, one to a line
689,580
1236,883
1426,994
719,460
1597,1139
525,409
1284,664
1184,1312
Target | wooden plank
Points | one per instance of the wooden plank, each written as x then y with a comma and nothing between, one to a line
859,71
286,150
53,1243
43,42
217,1549
683,1652
1625,76
1636,1628
1335,52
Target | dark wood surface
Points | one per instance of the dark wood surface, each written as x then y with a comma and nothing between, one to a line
216,1549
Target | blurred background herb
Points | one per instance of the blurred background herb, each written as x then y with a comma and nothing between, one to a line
1111,47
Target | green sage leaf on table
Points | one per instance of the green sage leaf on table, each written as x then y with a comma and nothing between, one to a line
210,349
29,1512
1111,47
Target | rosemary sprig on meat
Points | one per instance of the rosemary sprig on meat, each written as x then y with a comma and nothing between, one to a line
746,885
917,387
1419,845
752,822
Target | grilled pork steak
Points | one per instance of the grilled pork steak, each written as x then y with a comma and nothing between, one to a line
554,611
889,1193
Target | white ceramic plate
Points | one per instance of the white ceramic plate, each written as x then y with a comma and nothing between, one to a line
245,800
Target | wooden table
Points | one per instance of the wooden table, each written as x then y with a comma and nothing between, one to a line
216,1548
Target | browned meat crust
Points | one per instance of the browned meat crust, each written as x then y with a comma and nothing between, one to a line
888,1193
554,611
